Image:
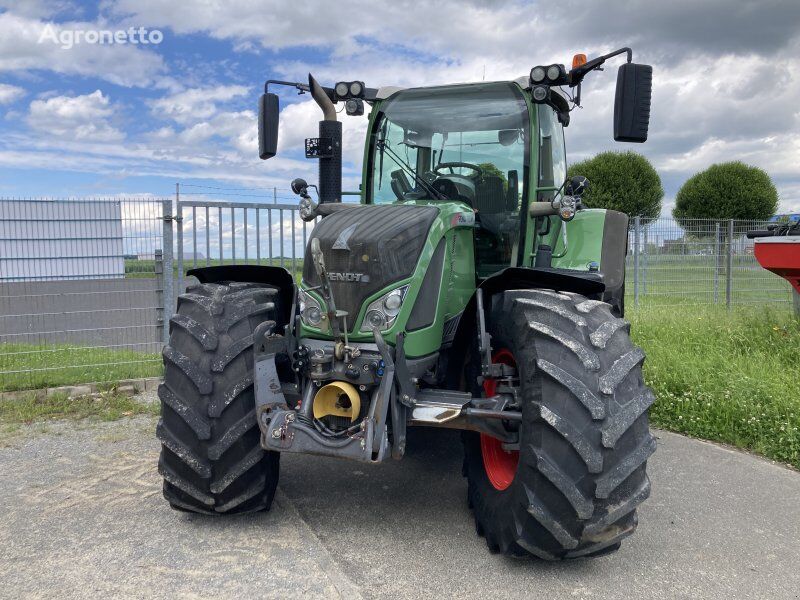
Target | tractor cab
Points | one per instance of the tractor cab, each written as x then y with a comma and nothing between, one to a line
465,143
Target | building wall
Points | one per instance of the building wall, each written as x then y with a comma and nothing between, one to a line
42,240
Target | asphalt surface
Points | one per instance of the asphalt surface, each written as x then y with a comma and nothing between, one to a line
81,515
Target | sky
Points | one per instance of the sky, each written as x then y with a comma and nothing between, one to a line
132,119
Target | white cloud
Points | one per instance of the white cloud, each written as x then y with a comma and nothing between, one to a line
450,25
717,96
39,8
127,65
204,127
196,104
10,93
300,120
75,117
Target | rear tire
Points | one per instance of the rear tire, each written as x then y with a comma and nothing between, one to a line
211,457
584,437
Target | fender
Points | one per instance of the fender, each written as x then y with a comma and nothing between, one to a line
560,280
591,285
277,276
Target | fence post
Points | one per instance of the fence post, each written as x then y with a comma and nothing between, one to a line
645,259
637,222
168,302
717,259
796,296
729,270
158,269
179,221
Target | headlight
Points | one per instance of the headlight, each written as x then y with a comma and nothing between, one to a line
374,318
537,74
383,312
553,72
354,107
311,313
341,89
540,93
356,88
393,302
568,207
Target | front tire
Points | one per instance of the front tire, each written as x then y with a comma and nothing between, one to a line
211,457
580,472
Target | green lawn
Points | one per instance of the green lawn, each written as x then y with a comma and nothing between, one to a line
676,279
663,279
26,366
728,376
731,377
108,406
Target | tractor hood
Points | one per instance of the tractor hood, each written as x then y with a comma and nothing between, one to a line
367,248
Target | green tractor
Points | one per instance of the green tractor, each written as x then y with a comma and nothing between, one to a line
469,289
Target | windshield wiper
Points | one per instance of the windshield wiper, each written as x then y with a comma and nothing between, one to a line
384,147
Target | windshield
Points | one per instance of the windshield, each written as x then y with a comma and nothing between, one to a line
461,142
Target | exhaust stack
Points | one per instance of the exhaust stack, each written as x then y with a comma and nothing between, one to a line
330,141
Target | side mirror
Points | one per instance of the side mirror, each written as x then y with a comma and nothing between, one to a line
632,102
299,186
506,137
268,110
576,186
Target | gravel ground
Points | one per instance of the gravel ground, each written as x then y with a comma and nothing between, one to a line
82,516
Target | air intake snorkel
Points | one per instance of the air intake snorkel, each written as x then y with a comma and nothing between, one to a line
329,146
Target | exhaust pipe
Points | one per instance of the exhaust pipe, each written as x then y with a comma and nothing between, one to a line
330,130
321,98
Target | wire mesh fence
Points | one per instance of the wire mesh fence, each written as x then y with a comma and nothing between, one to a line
698,261
85,284
81,291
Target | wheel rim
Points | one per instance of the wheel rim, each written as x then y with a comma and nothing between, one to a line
500,465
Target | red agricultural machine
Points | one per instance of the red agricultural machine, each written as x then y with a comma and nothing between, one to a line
777,249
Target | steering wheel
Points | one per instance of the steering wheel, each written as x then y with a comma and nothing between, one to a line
458,165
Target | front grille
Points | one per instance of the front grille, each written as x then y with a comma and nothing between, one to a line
383,246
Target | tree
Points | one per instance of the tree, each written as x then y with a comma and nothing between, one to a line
623,181
491,169
731,190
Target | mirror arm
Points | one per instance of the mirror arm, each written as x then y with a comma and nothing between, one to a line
577,74
301,87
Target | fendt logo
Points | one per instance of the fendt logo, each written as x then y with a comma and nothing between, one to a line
349,277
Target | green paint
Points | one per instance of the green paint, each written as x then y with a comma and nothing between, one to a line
584,245
457,286
584,241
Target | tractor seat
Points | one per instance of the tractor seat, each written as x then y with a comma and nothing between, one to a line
490,197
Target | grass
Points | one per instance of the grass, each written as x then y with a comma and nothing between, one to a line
27,366
726,377
108,406
675,279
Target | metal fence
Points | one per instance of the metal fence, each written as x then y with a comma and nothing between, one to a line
81,290
85,284
698,261
214,233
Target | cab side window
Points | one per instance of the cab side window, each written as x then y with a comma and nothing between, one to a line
390,181
552,153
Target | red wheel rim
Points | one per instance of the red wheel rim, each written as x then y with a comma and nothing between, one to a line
500,465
